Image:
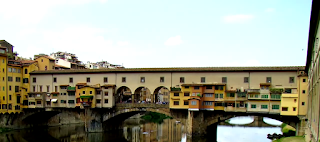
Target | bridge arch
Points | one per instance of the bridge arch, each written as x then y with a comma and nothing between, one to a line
123,94
143,93
161,94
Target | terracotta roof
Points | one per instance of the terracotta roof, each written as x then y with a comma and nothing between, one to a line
46,56
203,84
28,61
81,84
14,65
195,69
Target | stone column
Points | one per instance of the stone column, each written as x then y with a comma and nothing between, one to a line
92,121
301,127
189,123
195,124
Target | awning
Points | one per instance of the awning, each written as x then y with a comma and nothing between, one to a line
54,100
86,97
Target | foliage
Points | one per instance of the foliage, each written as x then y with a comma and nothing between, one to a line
276,90
155,117
290,139
175,89
287,130
4,130
199,95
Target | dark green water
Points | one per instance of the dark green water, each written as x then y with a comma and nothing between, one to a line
136,130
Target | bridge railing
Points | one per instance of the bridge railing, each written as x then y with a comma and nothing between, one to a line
142,105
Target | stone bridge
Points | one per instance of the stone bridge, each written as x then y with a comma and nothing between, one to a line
257,122
101,119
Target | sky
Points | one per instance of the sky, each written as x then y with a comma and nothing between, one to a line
161,33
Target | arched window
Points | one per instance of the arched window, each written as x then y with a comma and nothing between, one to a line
25,71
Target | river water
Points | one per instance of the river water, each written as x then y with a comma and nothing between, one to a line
137,130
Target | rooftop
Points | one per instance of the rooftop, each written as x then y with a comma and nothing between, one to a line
182,69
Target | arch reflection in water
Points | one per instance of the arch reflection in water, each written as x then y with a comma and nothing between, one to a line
168,131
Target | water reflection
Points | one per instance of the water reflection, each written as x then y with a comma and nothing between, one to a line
137,130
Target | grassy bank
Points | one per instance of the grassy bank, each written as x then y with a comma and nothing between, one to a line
289,133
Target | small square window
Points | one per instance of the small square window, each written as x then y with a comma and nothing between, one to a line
142,79
303,103
181,79
34,80
203,79
294,108
105,79
224,79
268,79
106,101
196,87
90,92
54,79
123,79
88,79
291,79
70,80
303,91
246,79
161,79
304,80
83,92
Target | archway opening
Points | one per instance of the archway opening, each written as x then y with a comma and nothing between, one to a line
161,95
124,95
143,95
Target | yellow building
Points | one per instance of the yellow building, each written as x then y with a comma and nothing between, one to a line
45,62
88,96
3,78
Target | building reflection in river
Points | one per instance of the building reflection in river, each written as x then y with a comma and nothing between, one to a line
137,130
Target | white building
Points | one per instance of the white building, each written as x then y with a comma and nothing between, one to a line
102,64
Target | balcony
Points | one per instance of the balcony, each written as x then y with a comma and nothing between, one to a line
253,90
175,89
69,88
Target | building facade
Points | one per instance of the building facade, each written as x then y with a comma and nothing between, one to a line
313,68
252,89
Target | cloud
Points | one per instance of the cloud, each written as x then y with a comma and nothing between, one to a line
247,63
122,43
270,10
239,18
173,41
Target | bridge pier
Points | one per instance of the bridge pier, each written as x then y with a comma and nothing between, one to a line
301,127
93,122
196,124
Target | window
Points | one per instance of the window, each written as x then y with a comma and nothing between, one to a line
303,80
193,103
246,79
54,79
161,79
40,87
303,91
275,96
90,92
287,90
63,101
88,79
123,79
10,97
264,106
71,93
275,106
25,71
10,69
70,80
224,79
10,106
105,79
16,89
106,101
175,102
18,79
185,102
291,79
303,103
186,94
284,108
208,103
221,96
176,94
196,87
9,78
98,101
106,93
142,79
268,79
208,87
83,92
203,79
18,99
25,80
48,88
208,95
181,79
186,87
253,106
230,94
265,96
70,101
9,87
241,95
34,88
294,109
55,88
295,100
216,95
